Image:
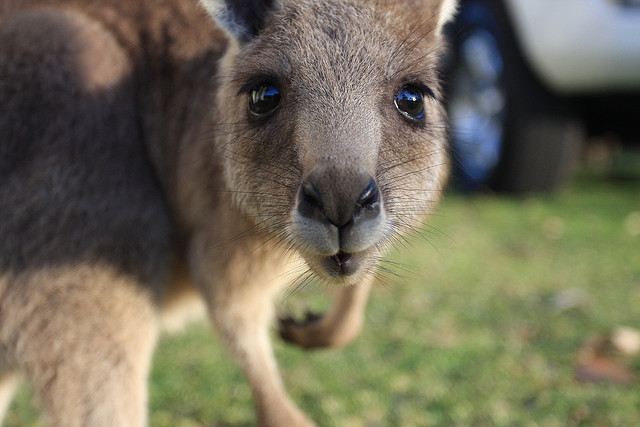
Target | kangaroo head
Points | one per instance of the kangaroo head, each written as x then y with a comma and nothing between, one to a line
330,122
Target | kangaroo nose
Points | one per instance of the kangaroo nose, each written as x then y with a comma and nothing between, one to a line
340,197
369,196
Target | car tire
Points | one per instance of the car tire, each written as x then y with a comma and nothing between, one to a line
508,132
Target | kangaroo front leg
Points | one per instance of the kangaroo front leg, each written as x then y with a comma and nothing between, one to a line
84,338
8,383
242,321
240,299
338,327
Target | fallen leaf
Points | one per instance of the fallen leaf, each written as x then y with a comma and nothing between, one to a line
603,369
626,340
569,299
600,361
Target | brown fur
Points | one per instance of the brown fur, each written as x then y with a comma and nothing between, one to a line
132,178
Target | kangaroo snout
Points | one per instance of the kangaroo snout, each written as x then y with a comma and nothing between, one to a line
339,213
339,197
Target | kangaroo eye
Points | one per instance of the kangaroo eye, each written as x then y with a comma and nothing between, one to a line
263,100
410,102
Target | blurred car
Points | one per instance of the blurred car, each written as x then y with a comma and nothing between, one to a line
528,80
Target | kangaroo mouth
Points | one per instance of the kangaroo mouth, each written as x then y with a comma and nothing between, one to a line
342,264
342,268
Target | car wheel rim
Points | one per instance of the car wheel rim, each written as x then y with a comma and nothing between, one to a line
477,105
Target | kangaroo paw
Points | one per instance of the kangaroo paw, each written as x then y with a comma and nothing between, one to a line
318,331
337,328
304,333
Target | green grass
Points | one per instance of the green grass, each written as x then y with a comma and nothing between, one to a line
483,328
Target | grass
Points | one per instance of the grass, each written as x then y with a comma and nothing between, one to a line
483,329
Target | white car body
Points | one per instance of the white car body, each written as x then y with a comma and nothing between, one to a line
580,46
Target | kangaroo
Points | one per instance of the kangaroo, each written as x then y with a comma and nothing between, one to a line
152,157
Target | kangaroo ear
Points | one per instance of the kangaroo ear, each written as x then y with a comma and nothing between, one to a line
447,11
241,19
434,12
